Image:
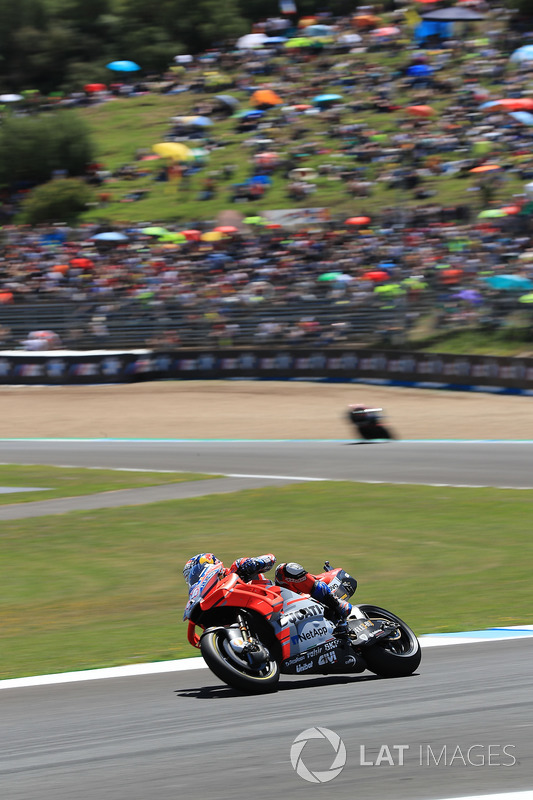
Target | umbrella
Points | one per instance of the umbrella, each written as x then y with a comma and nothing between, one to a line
453,14
298,41
393,289
227,100
329,276
376,275
326,98
349,38
470,295
175,238
357,221
212,236
266,97
251,41
451,275
192,235
509,210
522,116
388,30
254,220
526,298
227,229
154,230
95,87
509,282
420,70
174,150
123,66
509,104
524,53
201,122
491,213
10,98
110,236
421,111
252,112
485,168
318,30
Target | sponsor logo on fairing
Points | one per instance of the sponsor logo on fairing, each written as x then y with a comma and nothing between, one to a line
303,667
313,634
327,658
302,613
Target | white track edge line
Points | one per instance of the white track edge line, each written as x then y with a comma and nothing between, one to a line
185,664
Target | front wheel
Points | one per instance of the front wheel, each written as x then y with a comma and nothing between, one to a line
394,657
233,668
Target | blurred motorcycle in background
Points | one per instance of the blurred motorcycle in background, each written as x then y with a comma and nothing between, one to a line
368,422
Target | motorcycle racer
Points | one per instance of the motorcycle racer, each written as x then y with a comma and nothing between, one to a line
288,575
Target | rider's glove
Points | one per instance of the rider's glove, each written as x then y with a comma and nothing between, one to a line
248,568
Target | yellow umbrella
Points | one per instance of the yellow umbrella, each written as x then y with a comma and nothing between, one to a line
174,150
212,236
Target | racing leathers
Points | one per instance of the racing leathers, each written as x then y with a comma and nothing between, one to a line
294,577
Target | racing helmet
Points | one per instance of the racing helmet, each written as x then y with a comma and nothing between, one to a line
196,565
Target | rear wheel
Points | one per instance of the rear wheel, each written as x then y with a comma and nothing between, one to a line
233,668
392,657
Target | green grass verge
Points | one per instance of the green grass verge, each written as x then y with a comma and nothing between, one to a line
101,588
72,482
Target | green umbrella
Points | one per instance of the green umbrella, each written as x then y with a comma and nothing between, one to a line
526,298
173,237
298,41
254,220
414,283
329,276
491,213
154,230
393,289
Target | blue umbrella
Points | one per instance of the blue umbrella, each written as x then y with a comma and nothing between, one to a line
420,70
251,113
264,179
509,282
524,53
525,117
201,122
110,236
326,98
123,66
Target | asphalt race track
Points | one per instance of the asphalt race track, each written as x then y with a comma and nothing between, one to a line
450,462
181,735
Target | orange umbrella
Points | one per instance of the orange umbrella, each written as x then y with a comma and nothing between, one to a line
511,209
451,275
376,275
366,21
485,168
304,22
62,268
357,221
512,104
421,111
266,97
6,297
192,235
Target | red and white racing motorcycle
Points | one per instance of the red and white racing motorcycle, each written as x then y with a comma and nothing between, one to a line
254,631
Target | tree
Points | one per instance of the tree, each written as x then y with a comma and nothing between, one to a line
32,149
58,200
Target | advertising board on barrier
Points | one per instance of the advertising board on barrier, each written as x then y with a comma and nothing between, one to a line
433,370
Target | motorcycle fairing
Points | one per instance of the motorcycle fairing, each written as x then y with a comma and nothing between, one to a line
331,656
301,625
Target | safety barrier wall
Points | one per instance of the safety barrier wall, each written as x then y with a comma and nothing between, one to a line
436,371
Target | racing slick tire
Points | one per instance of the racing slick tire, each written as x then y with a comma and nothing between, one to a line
234,670
392,658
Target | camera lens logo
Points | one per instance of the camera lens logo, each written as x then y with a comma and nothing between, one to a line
336,744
